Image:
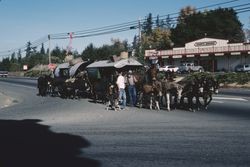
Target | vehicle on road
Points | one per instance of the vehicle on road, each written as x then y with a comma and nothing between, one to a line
242,68
3,73
169,68
190,67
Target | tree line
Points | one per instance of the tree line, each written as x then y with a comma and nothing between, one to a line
156,33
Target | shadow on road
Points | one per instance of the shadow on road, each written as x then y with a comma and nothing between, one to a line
29,144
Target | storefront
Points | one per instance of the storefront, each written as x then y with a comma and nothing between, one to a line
213,54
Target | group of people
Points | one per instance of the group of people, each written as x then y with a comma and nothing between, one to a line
129,81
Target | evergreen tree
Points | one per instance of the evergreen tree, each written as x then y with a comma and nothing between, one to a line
13,58
28,49
19,56
157,22
148,25
168,22
42,51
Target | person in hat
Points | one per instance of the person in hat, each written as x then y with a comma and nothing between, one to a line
131,80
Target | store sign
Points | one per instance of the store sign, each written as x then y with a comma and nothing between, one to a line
208,43
153,53
25,67
177,56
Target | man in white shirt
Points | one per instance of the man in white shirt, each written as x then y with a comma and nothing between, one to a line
121,88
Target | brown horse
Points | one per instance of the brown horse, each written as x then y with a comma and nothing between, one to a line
171,89
153,91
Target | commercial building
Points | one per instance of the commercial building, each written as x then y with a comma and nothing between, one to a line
213,54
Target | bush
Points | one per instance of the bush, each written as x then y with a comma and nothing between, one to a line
239,78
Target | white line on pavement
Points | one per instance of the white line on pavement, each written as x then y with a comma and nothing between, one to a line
230,98
216,101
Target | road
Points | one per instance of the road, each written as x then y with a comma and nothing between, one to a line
50,131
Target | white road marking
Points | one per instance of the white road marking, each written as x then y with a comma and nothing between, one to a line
230,98
216,101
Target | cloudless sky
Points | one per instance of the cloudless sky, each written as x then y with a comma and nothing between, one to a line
28,20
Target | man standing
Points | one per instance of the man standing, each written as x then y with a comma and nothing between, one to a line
131,88
121,88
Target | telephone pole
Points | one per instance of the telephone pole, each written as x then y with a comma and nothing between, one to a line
49,50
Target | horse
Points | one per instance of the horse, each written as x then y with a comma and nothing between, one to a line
42,85
171,89
112,97
153,91
211,86
192,88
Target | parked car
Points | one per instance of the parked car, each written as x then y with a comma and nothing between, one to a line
3,73
242,68
187,67
169,68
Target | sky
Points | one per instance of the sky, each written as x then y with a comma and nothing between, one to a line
29,20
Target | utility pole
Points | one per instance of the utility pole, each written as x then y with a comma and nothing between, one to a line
139,35
49,50
139,29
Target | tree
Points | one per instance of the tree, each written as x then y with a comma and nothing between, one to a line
19,56
148,25
168,22
28,49
214,23
42,51
247,32
5,65
159,39
13,58
185,12
57,55
89,52
157,22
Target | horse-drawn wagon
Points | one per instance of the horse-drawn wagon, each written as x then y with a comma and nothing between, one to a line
67,80
103,74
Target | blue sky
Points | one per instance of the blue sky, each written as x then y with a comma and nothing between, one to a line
28,20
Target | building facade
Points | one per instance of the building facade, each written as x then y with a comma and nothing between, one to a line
213,54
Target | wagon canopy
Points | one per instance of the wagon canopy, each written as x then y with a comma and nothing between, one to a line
60,66
118,64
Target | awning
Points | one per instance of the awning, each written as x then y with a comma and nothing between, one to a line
127,62
118,64
102,63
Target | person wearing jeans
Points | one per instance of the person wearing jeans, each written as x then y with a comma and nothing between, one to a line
131,88
121,87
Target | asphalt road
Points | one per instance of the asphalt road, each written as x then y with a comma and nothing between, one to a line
50,131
